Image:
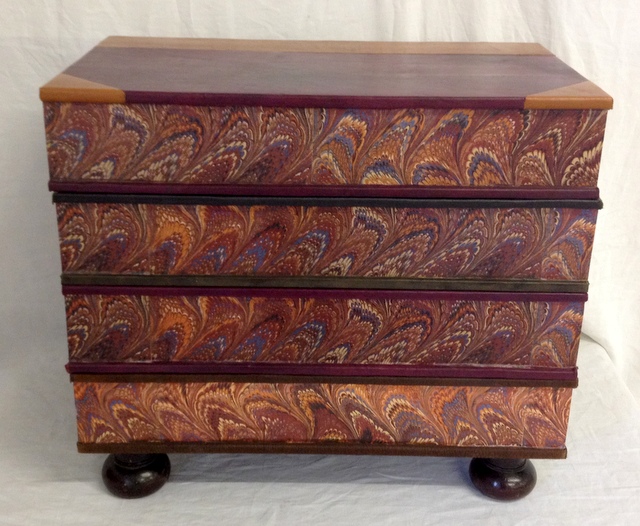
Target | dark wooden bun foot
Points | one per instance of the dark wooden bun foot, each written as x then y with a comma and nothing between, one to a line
503,478
135,476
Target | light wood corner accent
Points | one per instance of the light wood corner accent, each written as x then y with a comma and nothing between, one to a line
582,96
67,88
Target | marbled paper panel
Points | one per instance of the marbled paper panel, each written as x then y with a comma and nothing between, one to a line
316,413
533,243
290,146
226,329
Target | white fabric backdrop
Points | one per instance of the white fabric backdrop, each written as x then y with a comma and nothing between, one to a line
39,38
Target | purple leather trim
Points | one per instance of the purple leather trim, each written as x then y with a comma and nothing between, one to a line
426,192
446,295
568,374
321,101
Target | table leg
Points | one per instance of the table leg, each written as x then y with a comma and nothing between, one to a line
134,476
503,478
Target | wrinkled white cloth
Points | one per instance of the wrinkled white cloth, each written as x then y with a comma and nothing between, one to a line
45,482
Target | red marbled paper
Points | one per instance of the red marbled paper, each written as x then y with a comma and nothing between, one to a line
533,243
256,145
225,329
111,413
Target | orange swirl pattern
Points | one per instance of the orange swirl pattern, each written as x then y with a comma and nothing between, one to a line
316,413
214,329
288,146
547,243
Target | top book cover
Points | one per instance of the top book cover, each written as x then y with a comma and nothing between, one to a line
313,118
366,75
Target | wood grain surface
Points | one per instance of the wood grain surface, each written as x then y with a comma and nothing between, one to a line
317,74
324,449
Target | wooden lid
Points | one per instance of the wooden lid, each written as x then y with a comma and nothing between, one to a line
324,74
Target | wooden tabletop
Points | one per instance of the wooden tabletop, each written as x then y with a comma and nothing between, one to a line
324,74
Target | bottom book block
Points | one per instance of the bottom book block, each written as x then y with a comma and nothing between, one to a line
156,416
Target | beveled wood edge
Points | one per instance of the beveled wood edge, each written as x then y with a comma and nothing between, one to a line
68,88
325,449
584,95
327,46
259,378
322,282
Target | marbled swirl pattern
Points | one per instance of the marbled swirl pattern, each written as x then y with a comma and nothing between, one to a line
260,145
225,329
315,413
534,243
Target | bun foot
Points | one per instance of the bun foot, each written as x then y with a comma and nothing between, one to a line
503,478
135,476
